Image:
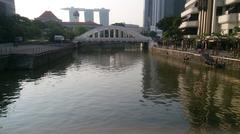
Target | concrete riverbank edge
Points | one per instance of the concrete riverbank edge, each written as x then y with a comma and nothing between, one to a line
231,64
33,61
3,62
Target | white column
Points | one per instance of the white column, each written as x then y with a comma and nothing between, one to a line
84,20
94,18
114,33
109,35
215,18
104,33
98,34
119,34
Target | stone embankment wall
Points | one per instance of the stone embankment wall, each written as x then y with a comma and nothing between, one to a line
232,64
32,61
3,62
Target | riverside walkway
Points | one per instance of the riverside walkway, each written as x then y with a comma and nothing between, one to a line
31,49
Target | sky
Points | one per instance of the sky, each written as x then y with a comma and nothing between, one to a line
128,11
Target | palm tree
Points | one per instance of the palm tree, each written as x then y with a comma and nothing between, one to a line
217,37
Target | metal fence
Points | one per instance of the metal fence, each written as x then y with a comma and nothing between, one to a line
5,51
33,50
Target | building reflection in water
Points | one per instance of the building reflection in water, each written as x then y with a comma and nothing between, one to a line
108,61
210,99
159,81
11,81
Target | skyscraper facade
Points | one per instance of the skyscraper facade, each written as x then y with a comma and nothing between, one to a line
7,7
104,16
148,13
155,10
89,16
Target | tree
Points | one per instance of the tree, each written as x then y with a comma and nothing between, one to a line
170,27
79,30
52,29
119,24
15,26
152,34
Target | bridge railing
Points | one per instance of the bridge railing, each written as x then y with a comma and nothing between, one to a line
113,40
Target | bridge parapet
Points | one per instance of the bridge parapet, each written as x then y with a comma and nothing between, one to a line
112,34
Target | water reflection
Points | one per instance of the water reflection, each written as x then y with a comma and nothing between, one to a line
11,82
160,81
210,98
108,60
122,92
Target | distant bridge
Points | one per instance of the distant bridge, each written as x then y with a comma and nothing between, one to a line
112,34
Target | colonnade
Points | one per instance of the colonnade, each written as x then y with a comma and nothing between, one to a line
111,33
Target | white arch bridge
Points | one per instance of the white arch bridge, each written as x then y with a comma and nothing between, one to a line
112,34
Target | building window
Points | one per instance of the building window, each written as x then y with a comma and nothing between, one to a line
117,33
106,34
219,11
111,33
3,8
102,34
96,35
122,34
230,31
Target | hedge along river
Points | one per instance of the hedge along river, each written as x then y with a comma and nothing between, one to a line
119,92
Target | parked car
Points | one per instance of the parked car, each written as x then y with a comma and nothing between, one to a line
18,40
59,38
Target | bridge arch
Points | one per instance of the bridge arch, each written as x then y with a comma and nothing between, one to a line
111,34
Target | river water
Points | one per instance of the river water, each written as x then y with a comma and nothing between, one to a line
121,92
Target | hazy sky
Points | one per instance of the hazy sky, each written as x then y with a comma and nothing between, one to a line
129,11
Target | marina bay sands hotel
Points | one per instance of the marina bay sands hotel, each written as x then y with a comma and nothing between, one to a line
88,15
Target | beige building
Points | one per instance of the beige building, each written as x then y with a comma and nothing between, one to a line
190,21
204,17
229,15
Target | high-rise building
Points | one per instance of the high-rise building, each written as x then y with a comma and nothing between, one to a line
7,7
148,13
205,8
190,17
200,18
204,17
89,15
228,15
104,16
73,15
155,10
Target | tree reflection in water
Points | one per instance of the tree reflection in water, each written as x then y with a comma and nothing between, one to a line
10,81
210,98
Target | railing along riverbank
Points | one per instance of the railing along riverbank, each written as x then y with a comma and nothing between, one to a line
192,55
31,56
